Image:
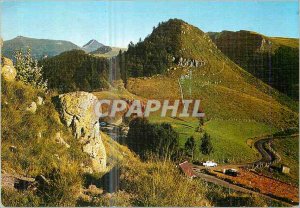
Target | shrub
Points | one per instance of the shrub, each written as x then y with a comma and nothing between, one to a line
62,189
11,198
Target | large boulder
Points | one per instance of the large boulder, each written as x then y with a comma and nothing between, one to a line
77,111
8,70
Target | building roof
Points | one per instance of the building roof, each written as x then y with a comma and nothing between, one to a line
187,168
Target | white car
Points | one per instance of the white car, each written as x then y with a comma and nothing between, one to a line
210,164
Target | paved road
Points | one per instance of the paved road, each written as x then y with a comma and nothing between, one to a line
267,156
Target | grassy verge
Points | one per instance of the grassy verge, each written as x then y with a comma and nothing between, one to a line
229,139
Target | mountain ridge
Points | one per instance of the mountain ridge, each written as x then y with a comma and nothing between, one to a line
274,60
40,48
214,81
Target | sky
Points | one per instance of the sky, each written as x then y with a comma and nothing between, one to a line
116,23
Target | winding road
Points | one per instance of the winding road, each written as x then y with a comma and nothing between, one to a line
268,155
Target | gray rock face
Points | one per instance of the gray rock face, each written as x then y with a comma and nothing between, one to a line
188,62
77,112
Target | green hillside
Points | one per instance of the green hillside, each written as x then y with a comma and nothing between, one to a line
40,48
274,60
28,148
231,97
226,90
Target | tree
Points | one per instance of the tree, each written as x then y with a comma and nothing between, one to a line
159,139
28,70
206,145
75,70
190,146
168,141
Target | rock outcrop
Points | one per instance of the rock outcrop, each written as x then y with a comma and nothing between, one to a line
77,111
188,62
60,140
8,70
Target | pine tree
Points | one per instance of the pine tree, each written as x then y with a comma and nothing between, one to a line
190,146
206,145
28,70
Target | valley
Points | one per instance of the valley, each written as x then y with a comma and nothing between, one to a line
74,158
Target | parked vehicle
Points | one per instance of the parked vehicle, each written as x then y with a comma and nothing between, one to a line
231,172
102,124
210,164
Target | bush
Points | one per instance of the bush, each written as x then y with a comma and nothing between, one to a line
11,198
63,187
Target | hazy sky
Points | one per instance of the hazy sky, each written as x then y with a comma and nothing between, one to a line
117,23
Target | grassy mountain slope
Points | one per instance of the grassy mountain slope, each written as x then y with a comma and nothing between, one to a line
34,155
231,98
39,47
226,90
29,148
274,60
288,149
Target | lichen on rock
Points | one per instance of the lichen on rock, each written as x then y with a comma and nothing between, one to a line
77,111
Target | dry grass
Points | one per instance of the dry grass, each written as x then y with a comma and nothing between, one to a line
36,151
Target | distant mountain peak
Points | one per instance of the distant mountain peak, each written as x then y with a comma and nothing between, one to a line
92,45
90,42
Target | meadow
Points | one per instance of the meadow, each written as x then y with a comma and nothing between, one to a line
229,138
